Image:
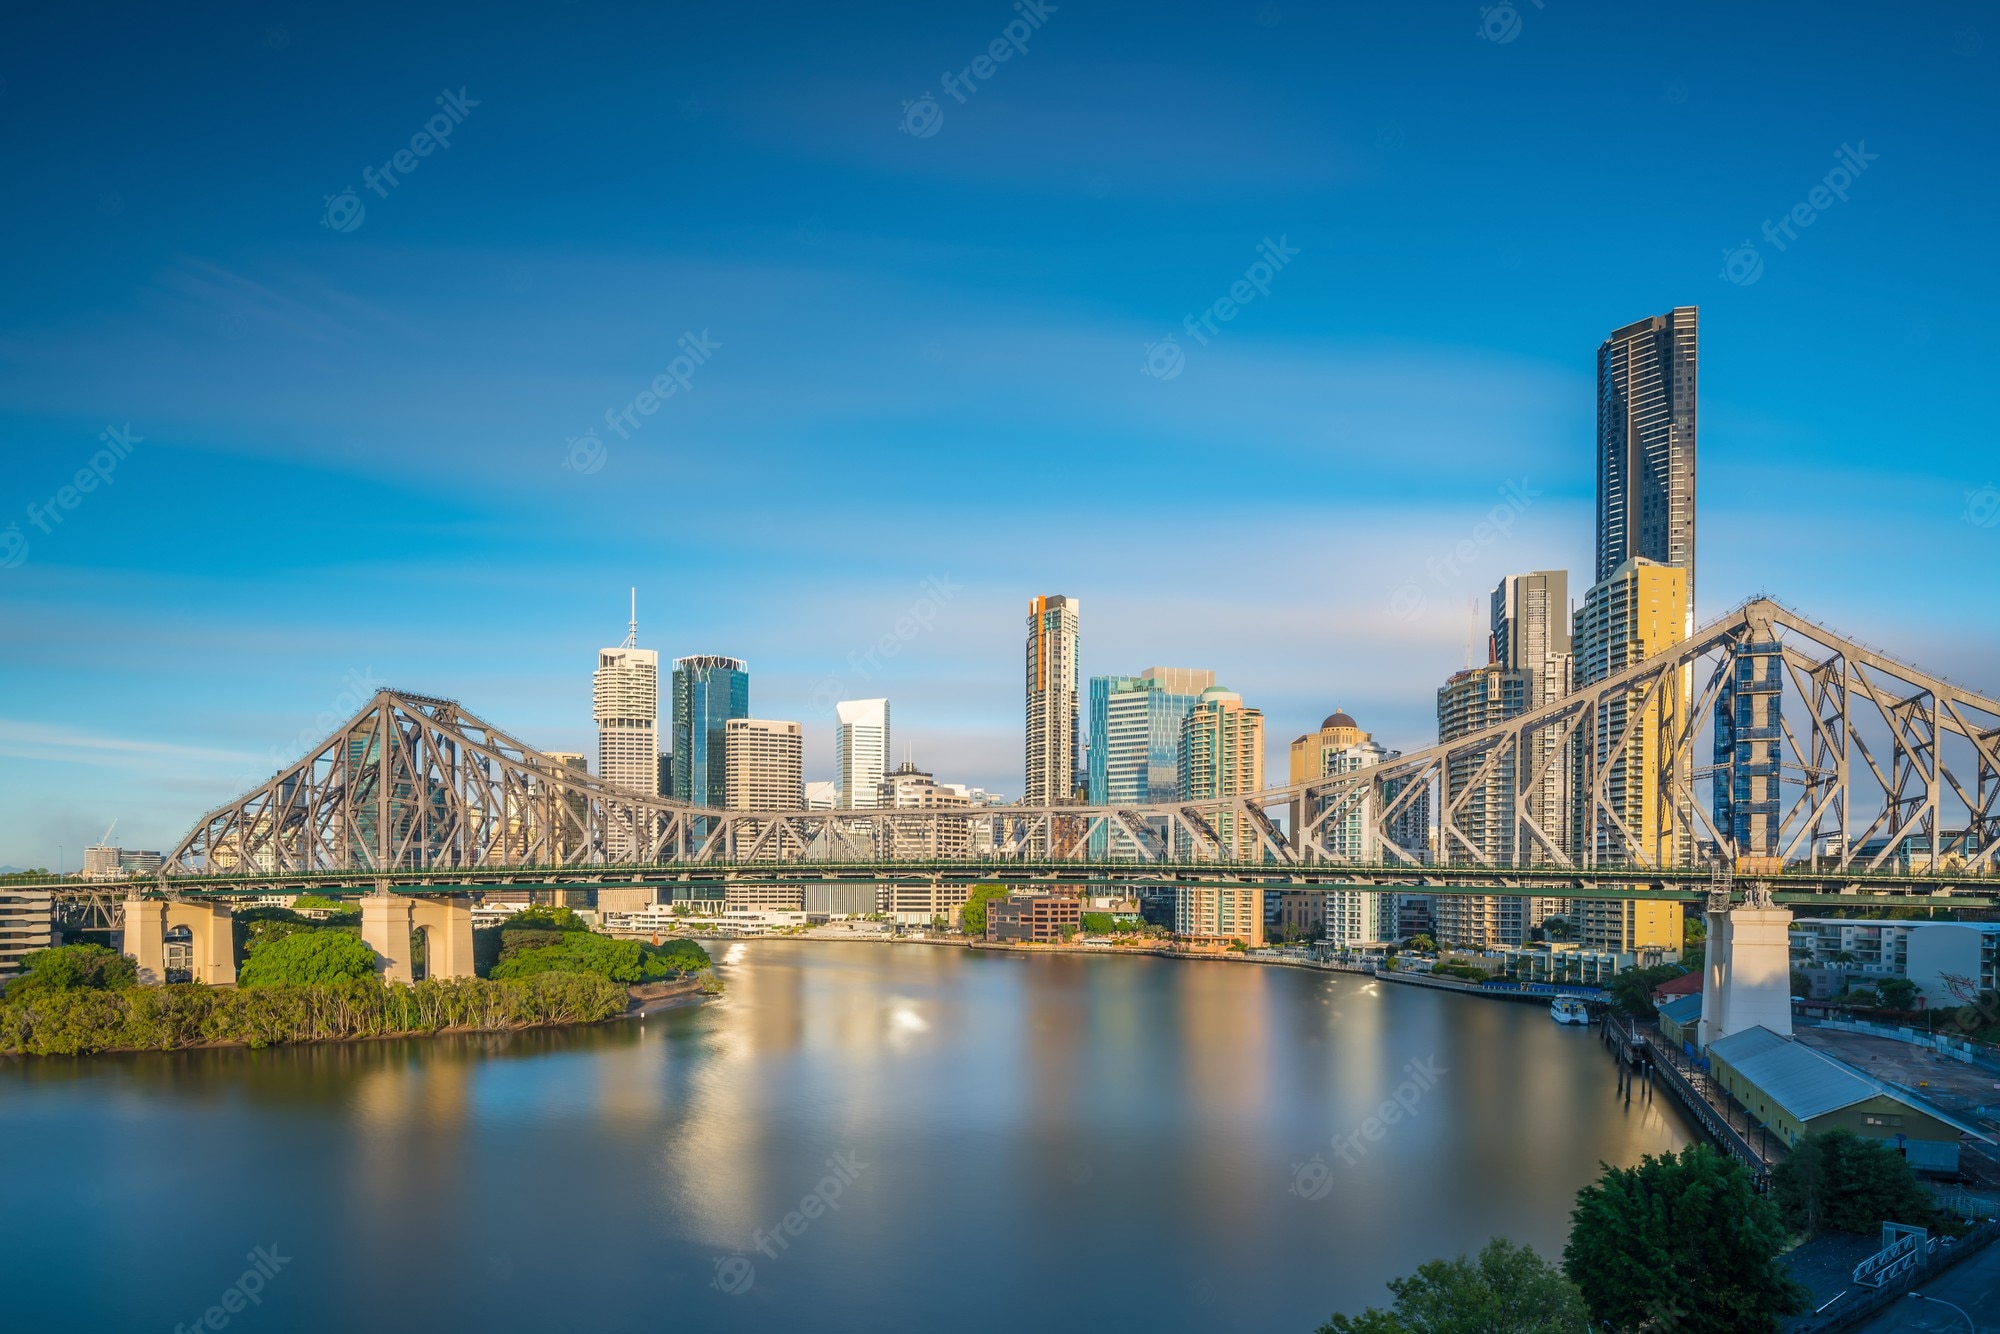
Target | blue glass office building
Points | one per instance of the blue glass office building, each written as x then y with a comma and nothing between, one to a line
1135,737
708,692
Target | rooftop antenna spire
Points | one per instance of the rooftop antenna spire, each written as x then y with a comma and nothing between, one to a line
632,627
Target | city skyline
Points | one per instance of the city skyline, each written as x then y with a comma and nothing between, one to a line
317,439
1548,445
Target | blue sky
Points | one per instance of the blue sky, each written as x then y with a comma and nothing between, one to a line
366,454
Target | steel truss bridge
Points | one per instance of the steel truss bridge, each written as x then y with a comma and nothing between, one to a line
1835,768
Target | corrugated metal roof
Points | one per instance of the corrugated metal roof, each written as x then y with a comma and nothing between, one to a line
1797,1078
1755,1044
1682,1009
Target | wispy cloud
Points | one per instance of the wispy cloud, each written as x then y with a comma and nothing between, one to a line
25,740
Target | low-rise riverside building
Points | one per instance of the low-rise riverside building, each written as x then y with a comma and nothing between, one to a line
1680,1021
1796,1091
1951,963
27,923
924,905
1565,961
1032,917
1220,913
1302,913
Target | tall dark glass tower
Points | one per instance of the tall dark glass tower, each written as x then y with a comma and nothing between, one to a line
1645,444
708,692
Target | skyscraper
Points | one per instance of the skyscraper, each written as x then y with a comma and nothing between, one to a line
1531,632
1531,664
1222,755
1476,807
625,698
765,765
1135,742
708,692
908,788
860,750
1356,917
1640,610
1310,753
1646,376
1052,701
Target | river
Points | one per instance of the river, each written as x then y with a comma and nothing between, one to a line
961,1141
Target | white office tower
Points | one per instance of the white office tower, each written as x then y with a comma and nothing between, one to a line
625,696
1354,918
860,750
822,796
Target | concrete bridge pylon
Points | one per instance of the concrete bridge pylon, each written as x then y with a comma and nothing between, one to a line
211,939
1747,982
388,921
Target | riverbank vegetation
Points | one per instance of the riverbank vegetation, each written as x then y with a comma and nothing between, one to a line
1680,1242
1836,1181
1507,1288
307,980
972,915
82,1020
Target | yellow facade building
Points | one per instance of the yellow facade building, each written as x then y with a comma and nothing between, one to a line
1641,609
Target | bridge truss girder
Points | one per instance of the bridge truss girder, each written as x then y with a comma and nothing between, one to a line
1877,761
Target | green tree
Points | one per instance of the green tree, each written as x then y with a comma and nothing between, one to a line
1837,1181
582,952
685,956
542,917
1897,993
321,903
1099,923
73,968
1694,941
972,917
1507,1290
308,958
1632,990
626,961
1681,1238
1559,928
1423,944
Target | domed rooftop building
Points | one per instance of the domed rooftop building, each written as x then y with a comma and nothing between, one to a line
1309,753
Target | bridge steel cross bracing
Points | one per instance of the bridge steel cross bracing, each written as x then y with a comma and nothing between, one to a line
1871,767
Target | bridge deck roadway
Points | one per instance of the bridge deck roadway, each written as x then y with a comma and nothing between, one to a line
1795,888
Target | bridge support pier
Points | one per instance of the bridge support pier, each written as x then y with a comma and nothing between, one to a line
388,920
211,939
1748,979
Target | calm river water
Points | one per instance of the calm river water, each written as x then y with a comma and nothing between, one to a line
988,1142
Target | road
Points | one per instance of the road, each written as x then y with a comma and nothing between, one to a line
1974,1286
